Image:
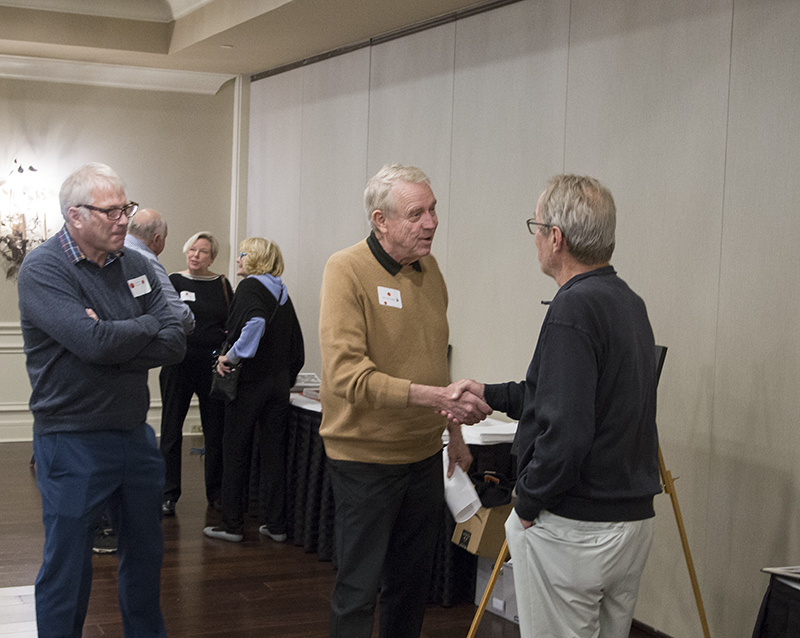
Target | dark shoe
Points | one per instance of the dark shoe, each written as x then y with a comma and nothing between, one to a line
168,508
105,541
222,534
278,538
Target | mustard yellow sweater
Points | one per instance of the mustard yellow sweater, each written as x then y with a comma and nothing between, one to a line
373,347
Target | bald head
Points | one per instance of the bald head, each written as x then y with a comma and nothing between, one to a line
149,226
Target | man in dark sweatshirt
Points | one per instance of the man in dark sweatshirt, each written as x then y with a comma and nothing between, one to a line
582,523
94,321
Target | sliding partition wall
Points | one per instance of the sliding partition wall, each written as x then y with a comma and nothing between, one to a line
689,111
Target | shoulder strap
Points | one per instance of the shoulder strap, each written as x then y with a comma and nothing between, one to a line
225,291
272,316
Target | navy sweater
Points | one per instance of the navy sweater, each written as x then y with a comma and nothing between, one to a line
587,408
89,375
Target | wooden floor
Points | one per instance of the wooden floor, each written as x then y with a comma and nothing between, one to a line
210,588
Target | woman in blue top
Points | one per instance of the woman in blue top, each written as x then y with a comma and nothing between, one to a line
265,339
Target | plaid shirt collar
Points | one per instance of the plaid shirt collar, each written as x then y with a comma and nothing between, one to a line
74,253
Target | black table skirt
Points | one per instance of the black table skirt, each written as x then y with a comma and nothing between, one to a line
310,508
779,616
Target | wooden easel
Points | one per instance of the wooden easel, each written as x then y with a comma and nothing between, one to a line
669,487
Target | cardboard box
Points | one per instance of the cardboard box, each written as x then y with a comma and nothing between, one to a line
484,533
503,599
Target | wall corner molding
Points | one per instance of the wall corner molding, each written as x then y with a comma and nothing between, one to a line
111,75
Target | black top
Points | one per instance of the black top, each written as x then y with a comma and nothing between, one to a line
587,408
280,355
206,296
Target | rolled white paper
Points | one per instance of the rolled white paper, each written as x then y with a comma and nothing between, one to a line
460,494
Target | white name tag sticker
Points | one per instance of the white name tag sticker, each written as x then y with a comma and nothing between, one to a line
389,297
139,286
187,295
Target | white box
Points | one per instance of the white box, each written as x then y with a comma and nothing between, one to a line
503,600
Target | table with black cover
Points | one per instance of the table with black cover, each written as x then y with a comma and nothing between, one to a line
779,616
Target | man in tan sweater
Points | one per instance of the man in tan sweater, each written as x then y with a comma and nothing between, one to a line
383,335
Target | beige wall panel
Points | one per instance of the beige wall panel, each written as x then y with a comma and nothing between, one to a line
274,169
648,85
756,440
645,104
172,149
635,92
410,113
333,161
508,132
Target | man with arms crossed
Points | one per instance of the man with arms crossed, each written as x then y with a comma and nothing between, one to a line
582,523
383,335
94,321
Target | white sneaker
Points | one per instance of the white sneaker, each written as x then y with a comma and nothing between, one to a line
222,534
278,538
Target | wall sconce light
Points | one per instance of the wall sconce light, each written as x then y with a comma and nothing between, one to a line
24,202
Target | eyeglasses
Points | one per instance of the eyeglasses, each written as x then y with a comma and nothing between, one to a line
129,210
532,224
242,255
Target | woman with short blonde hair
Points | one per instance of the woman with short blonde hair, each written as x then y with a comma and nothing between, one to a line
266,341
209,296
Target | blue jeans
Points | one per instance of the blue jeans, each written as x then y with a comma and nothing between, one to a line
77,474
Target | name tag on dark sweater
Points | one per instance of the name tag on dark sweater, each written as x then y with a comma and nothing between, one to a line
139,286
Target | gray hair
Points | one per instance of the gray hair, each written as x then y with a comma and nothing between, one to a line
80,187
584,210
378,194
146,227
203,234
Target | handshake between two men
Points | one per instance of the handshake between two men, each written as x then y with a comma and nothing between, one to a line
461,402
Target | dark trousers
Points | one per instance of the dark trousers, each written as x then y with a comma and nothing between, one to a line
388,519
254,407
78,474
178,383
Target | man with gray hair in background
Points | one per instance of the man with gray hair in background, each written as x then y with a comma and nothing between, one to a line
383,338
94,322
147,234
582,524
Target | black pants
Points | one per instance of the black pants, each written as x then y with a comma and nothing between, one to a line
178,383
388,519
255,407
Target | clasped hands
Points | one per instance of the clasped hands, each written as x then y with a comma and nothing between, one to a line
463,402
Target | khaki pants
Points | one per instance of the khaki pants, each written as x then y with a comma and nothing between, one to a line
577,579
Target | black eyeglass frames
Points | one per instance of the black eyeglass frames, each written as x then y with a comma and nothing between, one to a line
129,210
532,224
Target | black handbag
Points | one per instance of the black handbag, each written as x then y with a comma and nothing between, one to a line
224,388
